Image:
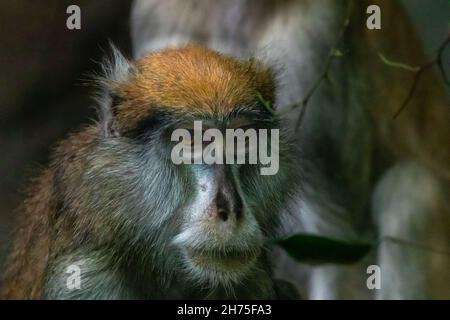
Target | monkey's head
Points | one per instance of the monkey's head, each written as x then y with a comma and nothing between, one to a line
209,222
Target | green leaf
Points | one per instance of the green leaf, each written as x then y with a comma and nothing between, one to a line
312,249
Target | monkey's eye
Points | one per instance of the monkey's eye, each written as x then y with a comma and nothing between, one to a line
192,135
194,140
245,140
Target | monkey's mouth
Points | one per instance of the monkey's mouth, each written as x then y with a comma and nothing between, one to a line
223,260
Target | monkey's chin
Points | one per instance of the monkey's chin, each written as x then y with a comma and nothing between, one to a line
219,267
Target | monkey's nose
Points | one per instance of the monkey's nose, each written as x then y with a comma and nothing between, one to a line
229,207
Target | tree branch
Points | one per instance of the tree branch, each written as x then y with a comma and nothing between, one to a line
333,53
419,71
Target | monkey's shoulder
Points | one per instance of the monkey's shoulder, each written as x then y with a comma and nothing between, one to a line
70,155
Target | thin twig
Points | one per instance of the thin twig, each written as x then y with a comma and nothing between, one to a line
398,64
413,244
266,104
334,53
440,60
419,71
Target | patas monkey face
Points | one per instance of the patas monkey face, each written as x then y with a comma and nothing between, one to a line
139,222
212,219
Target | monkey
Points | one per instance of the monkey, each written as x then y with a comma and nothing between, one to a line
351,172
367,174
137,226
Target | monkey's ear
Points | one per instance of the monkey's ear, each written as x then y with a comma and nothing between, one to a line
116,70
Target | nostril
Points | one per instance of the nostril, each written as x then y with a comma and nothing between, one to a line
223,206
239,208
223,214
239,213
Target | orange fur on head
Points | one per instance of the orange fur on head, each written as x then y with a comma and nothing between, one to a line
192,79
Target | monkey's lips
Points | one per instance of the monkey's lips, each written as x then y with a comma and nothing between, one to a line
225,261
